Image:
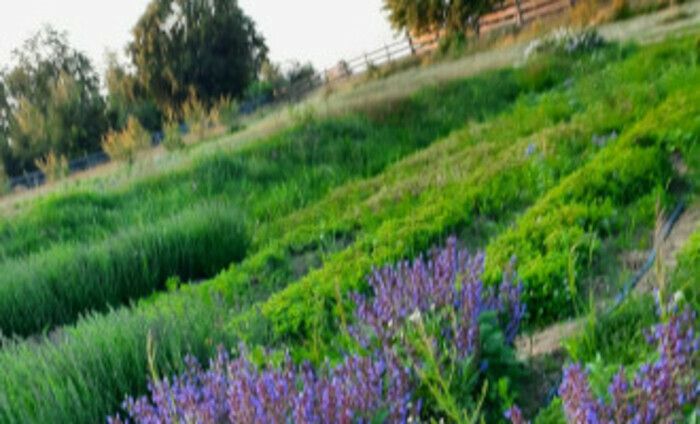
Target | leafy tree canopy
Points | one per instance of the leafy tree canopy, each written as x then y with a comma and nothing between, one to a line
209,46
424,16
49,102
126,97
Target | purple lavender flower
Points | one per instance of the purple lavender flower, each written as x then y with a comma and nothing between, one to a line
658,392
579,404
446,288
449,281
515,415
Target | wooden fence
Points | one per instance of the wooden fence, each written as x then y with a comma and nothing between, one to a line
516,13
511,14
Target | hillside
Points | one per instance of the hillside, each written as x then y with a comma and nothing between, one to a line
555,168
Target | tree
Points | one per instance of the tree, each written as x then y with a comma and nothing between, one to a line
126,97
425,16
210,46
51,101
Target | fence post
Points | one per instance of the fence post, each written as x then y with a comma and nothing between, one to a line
367,61
519,17
388,53
410,44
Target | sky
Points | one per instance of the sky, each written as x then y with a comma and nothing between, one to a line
320,31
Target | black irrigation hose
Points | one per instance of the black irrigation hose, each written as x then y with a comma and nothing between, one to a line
632,283
636,278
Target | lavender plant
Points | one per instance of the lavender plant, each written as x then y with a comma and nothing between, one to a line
360,389
659,391
435,313
420,336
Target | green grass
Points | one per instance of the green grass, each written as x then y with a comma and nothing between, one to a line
49,279
270,180
287,170
57,285
478,182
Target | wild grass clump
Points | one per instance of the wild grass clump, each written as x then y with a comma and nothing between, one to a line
172,136
55,167
58,285
126,144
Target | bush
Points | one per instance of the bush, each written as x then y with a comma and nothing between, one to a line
225,114
54,167
125,145
4,180
196,117
172,136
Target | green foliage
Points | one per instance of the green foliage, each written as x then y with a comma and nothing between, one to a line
125,145
588,206
603,336
552,414
172,136
210,47
328,200
427,16
4,180
50,101
56,286
126,97
54,167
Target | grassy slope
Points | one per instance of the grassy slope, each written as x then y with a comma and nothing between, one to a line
646,28
102,351
263,183
475,179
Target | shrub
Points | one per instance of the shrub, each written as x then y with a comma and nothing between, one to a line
4,180
172,136
53,166
196,116
125,145
225,113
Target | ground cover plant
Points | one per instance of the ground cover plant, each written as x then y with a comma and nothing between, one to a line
482,182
